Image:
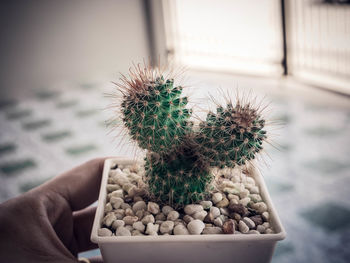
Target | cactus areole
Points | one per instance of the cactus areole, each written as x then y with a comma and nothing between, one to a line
180,156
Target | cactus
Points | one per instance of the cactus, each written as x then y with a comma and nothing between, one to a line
179,156
232,136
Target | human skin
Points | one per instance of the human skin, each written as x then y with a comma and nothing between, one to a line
52,222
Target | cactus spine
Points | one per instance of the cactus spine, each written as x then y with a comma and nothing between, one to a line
179,156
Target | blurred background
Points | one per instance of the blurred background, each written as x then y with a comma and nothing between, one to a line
58,59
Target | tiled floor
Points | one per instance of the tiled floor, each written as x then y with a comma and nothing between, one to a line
308,176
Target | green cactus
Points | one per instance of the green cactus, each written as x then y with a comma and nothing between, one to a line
232,136
156,115
179,157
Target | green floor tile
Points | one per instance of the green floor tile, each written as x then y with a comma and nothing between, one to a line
328,216
34,125
19,114
7,148
14,167
56,136
78,150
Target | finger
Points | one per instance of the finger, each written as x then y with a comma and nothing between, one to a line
82,226
96,259
79,186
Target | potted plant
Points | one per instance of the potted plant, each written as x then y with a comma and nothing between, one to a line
197,195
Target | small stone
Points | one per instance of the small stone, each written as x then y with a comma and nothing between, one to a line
104,232
257,219
261,229
236,216
129,212
233,202
108,208
249,222
188,219
108,219
244,193
223,203
250,180
206,204
159,222
200,215
153,208
118,223
191,209
218,222
254,190
117,193
129,220
112,187
173,215
244,201
148,219
167,209
122,231
195,227
119,216
212,230
265,216
179,221
243,227
229,227
139,214
224,211
240,209
254,232
260,207
208,225
137,199
269,231
266,224
255,198
139,205
209,218
125,206
215,211
180,230
136,233
232,196
152,229
129,227
160,216
139,226
127,187
166,227
217,197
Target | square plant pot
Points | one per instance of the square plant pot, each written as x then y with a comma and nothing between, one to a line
187,248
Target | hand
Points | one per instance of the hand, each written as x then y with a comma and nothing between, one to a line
52,222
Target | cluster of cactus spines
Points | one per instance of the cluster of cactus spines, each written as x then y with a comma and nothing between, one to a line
232,135
179,157
156,115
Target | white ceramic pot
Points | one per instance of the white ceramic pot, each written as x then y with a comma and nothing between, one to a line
221,248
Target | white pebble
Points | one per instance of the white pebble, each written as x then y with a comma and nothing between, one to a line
218,222
129,220
215,211
224,211
108,208
216,198
254,190
108,219
148,219
253,232
206,204
243,228
188,219
200,215
266,224
195,227
232,196
125,206
136,233
152,229
214,230
261,229
129,227
191,209
173,215
260,207
129,212
250,180
166,227
248,222
265,216
244,193
112,187
140,214
118,223
160,216
244,201
255,198
122,231
153,208
180,229
117,193
139,226
104,232
269,231
139,205
167,209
